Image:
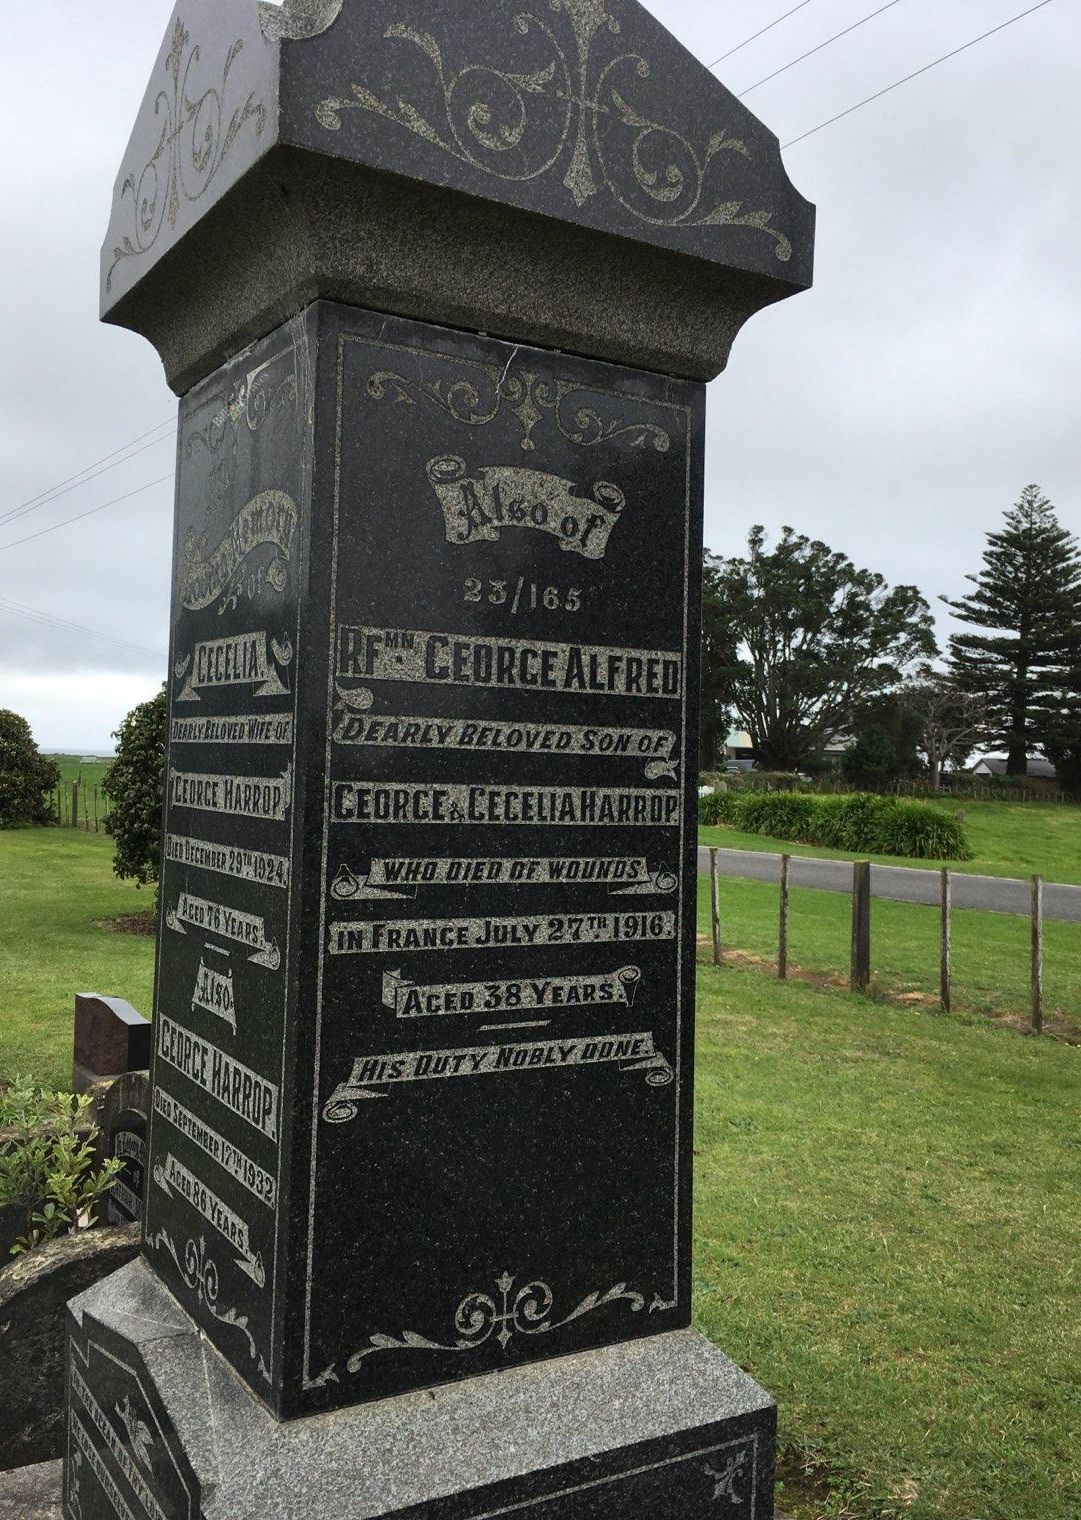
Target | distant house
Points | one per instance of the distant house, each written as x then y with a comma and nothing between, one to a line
995,765
738,747
738,750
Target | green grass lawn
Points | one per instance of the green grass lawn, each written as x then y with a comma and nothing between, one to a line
56,885
85,772
887,1236
887,1230
1007,838
991,951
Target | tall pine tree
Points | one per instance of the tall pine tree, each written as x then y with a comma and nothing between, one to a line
1028,599
1060,729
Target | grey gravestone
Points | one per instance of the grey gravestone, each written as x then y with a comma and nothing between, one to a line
424,1015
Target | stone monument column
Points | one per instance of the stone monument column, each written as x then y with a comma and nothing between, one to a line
439,284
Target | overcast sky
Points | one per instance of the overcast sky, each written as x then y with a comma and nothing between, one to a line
895,411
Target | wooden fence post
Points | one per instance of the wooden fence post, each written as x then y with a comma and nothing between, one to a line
782,940
861,925
715,905
1037,955
75,804
945,972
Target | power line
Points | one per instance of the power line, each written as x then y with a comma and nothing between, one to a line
76,478
61,625
915,75
810,54
79,517
756,36
35,506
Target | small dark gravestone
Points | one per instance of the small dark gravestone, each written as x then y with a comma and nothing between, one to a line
424,1020
127,1144
121,1111
111,1038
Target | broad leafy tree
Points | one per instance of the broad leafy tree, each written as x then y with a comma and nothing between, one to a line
813,638
871,763
890,713
950,720
26,776
1027,602
134,784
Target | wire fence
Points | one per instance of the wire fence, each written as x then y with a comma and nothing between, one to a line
971,790
868,957
79,805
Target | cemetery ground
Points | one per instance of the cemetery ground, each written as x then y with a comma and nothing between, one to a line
887,1236
58,893
886,1221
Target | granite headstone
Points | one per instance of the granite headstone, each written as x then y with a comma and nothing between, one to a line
111,1038
423,1038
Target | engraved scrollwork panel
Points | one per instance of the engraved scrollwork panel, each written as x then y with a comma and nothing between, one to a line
725,1480
565,110
200,1272
249,402
584,417
197,127
510,1312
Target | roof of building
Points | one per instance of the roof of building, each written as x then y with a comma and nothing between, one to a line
995,765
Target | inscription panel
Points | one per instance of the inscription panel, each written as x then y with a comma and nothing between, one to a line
500,1069
122,1457
720,1474
225,953
126,1143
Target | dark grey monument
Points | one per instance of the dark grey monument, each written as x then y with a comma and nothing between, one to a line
439,282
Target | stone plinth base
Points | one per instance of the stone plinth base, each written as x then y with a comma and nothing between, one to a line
159,1424
31,1493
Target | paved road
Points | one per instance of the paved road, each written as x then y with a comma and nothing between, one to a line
994,894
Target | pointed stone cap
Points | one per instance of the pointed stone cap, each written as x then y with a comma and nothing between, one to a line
560,171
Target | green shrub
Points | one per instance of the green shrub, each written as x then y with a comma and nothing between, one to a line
851,821
716,807
47,1162
872,760
134,784
26,777
922,832
859,822
788,815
